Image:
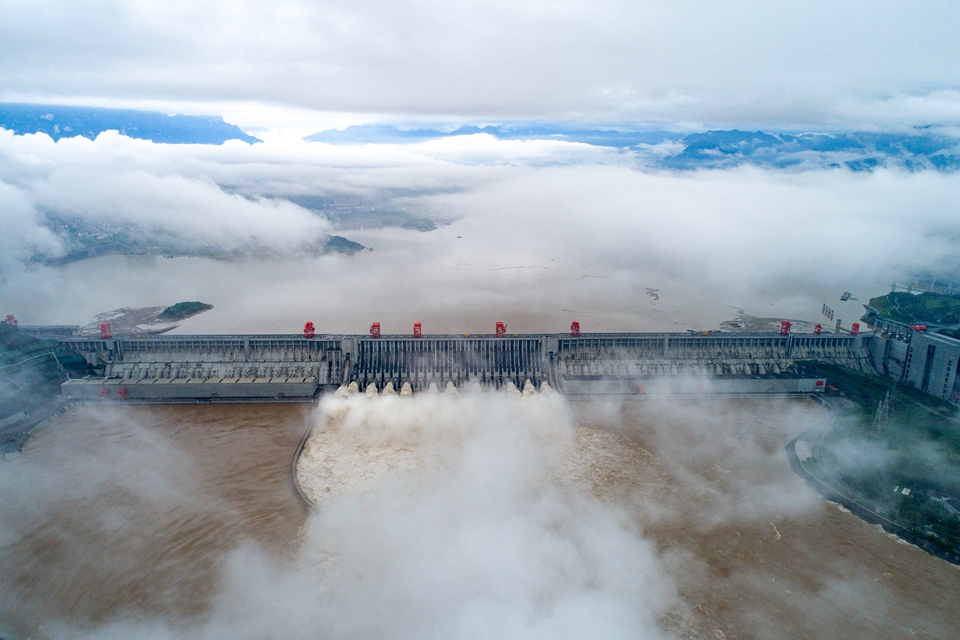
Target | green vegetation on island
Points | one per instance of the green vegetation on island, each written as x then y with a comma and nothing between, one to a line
904,467
339,244
909,308
183,310
419,224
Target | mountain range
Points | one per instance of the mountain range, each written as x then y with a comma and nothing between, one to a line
855,151
59,121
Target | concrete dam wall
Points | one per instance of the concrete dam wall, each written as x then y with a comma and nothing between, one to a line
292,366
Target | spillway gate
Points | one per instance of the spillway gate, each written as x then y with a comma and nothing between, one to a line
488,361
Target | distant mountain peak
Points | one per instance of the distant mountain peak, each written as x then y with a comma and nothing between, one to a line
59,121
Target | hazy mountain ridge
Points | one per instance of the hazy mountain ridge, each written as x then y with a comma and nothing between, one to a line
67,122
376,133
855,151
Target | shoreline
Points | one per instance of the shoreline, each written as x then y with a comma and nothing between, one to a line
815,436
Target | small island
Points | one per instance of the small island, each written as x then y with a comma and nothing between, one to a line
183,310
339,244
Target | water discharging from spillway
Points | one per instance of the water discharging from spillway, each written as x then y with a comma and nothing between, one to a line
440,514
360,437
443,511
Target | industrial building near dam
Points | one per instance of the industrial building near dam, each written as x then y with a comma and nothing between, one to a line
283,367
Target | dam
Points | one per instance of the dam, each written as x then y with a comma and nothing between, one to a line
294,367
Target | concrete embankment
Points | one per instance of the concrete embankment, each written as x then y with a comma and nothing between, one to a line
213,389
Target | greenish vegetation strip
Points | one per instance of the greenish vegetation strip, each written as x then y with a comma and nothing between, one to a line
908,308
183,310
17,364
30,384
857,509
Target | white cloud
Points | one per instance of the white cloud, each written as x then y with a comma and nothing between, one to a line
729,63
120,180
20,232
547,230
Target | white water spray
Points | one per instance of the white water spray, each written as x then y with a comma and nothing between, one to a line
460,516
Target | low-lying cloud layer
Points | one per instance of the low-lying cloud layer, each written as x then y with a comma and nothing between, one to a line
530,231
747,62
113,181
536,229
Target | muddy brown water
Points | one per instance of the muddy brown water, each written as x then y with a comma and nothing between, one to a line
755,553
120,512
113,513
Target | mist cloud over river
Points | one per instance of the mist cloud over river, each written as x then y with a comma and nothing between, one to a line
477,537
498,535
520,517
633,166
494,518
534,233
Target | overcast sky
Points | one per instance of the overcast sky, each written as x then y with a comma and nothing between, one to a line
806,64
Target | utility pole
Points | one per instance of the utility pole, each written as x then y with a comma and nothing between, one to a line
883,411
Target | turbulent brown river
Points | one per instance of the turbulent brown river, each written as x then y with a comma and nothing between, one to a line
129,514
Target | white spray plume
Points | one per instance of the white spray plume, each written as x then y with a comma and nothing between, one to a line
442,517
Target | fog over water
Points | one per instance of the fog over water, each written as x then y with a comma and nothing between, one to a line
531,518
196,516
533,233
675,520
478,515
